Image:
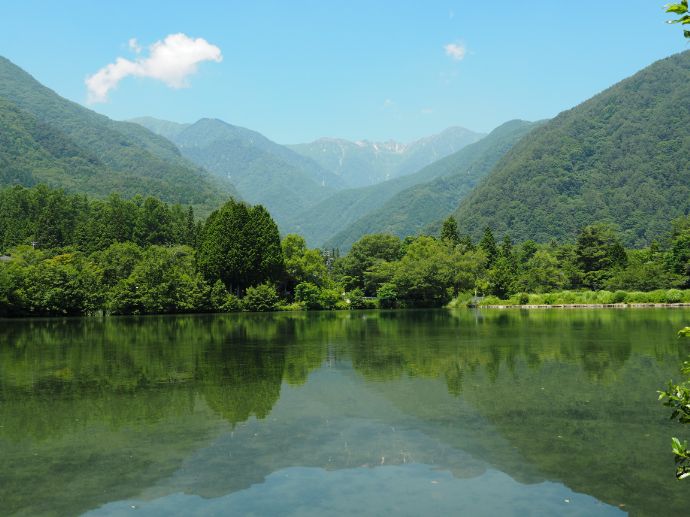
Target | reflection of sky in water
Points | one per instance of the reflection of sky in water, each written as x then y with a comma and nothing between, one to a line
385,490
511,413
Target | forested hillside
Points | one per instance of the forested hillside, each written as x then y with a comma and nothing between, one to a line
339,214
410,211
52,140
263,171
622,156
365,163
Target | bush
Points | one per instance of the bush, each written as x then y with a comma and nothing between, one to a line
294,306
387,296
523,299
330,298
222,301
357,300
619,296
492,300
674,296
309,295
262,298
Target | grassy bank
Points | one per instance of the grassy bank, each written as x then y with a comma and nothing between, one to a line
660,296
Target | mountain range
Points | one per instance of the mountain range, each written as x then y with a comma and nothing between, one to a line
364,163
287,182
48,139
621,157
440,187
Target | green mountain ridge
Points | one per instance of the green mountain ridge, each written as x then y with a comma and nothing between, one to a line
623,157
411,210
263,171
79,150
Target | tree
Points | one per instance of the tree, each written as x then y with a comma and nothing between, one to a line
240,246
488,244
365,253
541,274
152,224
301,263
449,231
599,251
681,9
163,281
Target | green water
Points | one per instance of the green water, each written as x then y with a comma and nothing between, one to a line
373,413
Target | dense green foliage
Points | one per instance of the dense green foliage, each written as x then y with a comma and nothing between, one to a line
677,397
67,254
436,190
51,140
396,206
621,157
71,255
240,246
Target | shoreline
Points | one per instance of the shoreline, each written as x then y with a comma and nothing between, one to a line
589,306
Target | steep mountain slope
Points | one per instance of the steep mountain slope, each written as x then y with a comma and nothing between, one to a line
263,171
338,214
83,151
365,163
622,156
164,128
411,210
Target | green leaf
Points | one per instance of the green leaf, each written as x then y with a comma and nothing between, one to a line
677,8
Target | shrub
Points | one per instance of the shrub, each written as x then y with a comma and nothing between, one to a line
674,296
619,296
329,299
222,301
387,295
262,298
309,295
523,299
294,306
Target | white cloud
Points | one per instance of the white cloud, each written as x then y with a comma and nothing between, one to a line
134,46
455,51
171,61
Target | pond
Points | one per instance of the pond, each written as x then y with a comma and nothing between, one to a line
403,412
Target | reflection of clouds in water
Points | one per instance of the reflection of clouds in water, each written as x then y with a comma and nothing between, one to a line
390,490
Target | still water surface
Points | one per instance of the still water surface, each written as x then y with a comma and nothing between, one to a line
373,413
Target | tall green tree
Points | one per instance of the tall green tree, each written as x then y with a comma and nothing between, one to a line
599,253
240,246
449,231
488,244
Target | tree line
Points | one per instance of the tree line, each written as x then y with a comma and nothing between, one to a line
70,255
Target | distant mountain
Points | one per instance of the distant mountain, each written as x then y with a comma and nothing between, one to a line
263,171
410,211
336,219
46,138
365,163
164,128
622,156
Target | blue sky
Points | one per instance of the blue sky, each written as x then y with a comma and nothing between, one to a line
297,70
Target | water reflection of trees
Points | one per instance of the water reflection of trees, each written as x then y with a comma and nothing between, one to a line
237,363
520,370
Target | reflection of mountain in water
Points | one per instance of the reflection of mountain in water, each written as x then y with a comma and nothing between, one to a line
125,408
